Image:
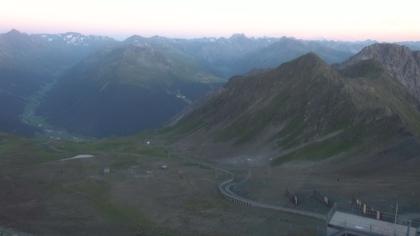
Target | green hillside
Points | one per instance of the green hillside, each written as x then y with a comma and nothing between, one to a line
305,109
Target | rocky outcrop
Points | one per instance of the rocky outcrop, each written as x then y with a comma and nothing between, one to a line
402,63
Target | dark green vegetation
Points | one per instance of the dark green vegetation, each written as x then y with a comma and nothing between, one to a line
44,195
347,129
122,90
27,62
86,77
158,77
149,80
305,110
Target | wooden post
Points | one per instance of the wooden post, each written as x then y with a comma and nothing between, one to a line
408,228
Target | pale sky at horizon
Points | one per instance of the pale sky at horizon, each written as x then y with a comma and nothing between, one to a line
331,19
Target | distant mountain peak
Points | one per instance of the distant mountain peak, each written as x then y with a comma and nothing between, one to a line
381,50
73,33
309,61
385,46
13,31
298,103
15,36
388,54
238,36
135,39
402,63
311,57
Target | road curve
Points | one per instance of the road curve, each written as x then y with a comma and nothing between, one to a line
225,188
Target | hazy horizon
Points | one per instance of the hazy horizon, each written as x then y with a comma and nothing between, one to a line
325,19
124,37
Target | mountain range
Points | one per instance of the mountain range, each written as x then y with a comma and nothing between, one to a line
308,109
124,89
97,86
29,61
251,118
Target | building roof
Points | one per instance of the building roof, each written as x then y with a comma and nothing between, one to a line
368,225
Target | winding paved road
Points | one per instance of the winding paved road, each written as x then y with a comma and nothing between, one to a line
225,189
349,223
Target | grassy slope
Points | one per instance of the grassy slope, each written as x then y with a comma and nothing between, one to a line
301,103
156,85
45,196
278,98
144,66
33,157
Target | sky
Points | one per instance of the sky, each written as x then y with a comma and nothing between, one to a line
308,19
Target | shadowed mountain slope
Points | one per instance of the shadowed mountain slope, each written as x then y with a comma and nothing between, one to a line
402,63
125,89
303,109
27,62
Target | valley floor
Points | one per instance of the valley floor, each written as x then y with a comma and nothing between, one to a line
127,188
